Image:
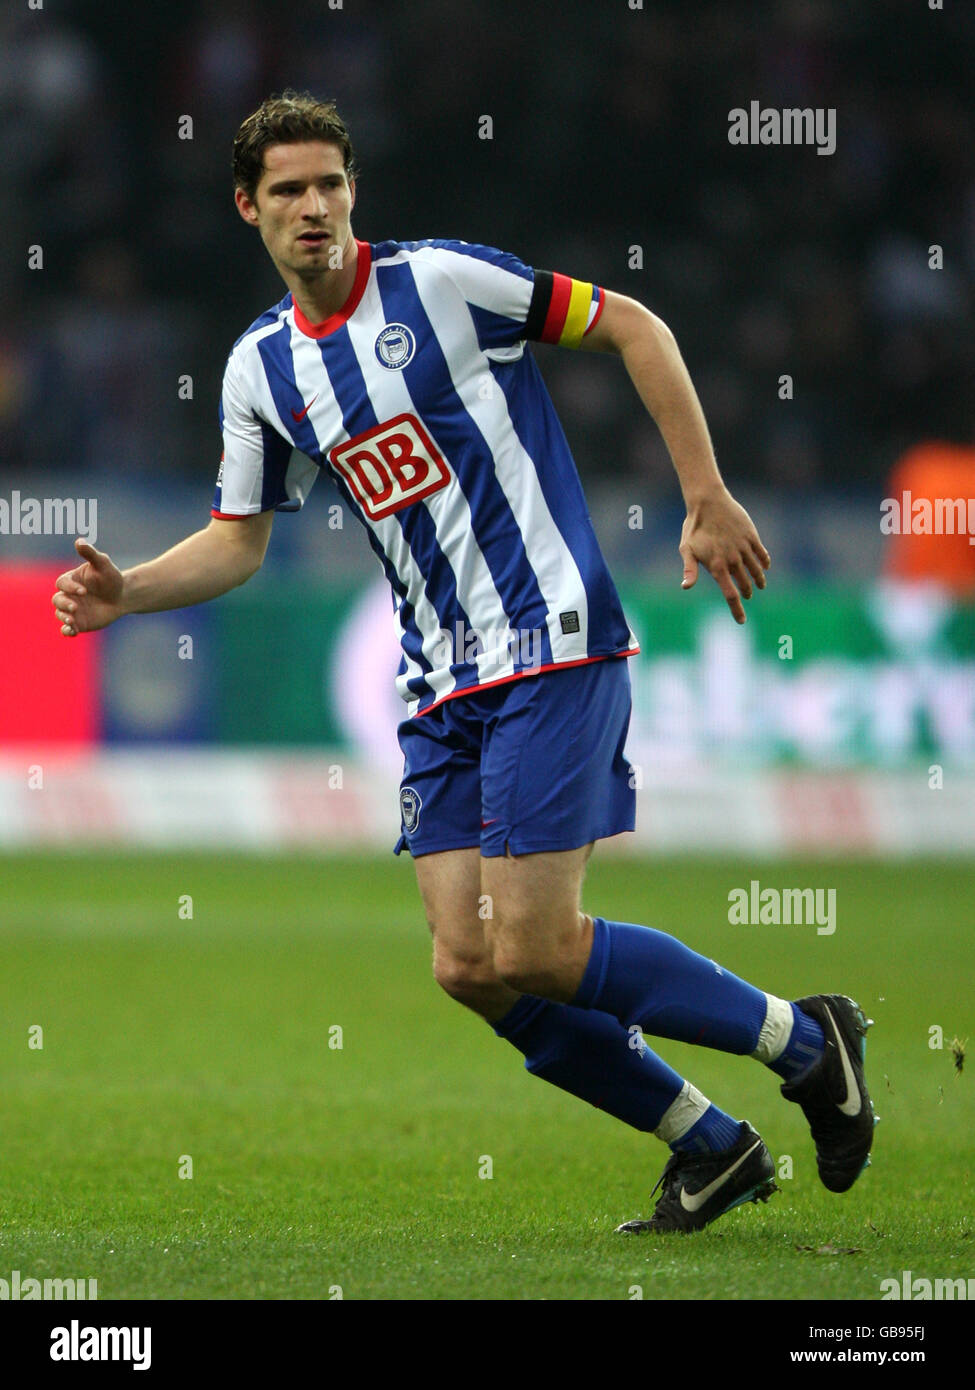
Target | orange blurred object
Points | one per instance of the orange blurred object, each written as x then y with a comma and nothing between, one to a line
924,483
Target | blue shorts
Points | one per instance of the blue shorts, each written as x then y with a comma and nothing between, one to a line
529,766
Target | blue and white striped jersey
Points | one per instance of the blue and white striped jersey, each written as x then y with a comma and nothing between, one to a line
420,399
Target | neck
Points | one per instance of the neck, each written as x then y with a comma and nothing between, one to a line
324,294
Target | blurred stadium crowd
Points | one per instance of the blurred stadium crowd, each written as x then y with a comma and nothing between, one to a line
610,132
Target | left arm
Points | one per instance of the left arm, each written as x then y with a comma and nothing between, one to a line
718,533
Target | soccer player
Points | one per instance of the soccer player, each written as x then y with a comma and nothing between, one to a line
402,368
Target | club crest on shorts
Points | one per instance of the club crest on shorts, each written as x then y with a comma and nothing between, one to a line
409,805
395,346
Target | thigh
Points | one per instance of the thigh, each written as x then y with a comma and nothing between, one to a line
540,940
463,964
535,896
450,886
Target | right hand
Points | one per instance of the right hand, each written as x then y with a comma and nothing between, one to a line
89,597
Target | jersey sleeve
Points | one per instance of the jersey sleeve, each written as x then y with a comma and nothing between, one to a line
256,472
512,302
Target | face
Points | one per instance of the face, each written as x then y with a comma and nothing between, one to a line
301,207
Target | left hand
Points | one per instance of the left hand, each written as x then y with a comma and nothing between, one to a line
720,535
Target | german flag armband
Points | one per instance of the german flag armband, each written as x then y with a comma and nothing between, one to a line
562,310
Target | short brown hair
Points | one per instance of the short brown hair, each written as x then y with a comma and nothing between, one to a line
287,119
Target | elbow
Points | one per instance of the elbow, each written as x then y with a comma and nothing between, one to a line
651,323
663,331
250,568
636,325
241,566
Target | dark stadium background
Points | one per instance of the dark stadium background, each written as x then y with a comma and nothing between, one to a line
610,130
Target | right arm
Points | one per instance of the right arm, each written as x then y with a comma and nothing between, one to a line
205,565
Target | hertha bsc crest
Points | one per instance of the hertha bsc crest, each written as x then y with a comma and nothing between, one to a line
410,804
395,346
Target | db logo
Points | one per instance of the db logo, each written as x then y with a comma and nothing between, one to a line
390,466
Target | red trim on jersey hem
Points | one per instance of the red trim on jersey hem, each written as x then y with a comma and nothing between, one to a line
599,310
523,675
336,320
558,307
232,516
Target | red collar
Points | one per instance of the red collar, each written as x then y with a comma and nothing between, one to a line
336,320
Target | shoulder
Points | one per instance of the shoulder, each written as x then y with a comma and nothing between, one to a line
243,353
452,256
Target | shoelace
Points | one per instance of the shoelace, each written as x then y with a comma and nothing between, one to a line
672,1163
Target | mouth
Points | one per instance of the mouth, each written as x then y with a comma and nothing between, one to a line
313,238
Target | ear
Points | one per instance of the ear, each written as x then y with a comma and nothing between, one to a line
246,207
352,191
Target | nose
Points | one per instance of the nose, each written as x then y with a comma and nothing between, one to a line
314,204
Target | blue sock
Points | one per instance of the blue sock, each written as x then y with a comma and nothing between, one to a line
713,1132
591,1056
594,1057
646,977
805,1046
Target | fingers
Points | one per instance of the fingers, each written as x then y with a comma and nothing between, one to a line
740,575
65,610
69,587
755,565
764,557
722,577
726,576
70,583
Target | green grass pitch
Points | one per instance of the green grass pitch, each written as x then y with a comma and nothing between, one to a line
318,1168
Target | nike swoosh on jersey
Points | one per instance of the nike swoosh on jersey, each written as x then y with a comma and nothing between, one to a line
299,415
695,1200
851,1105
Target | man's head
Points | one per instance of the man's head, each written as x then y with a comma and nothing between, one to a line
289,119
294,171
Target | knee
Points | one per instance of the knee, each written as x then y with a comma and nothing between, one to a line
540,962
466,977
520,957
522,977
525,973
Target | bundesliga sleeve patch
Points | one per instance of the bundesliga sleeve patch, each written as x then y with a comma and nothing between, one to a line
562,310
